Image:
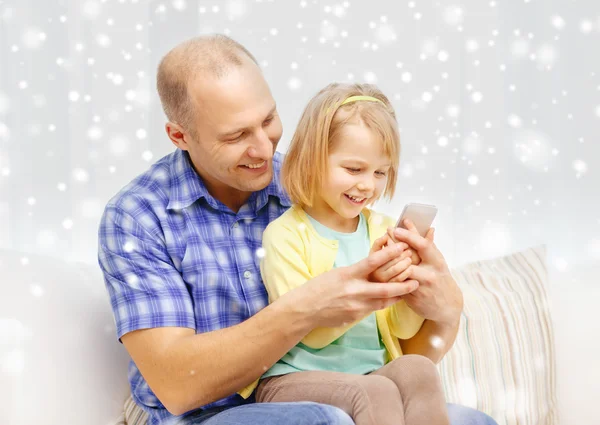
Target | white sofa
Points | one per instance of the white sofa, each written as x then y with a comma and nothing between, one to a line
60,362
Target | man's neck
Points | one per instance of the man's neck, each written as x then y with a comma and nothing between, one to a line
230,197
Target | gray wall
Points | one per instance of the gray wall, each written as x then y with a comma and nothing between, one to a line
499,105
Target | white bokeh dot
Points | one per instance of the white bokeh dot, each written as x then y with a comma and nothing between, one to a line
80,175
580,166
141,133
406,77
73,96
179,5
36,290
67,223
558,22
473,180
294,83
477,97
453,15
119,146
94,133
147,156
472,45
236,9
515,121
90,208
32,38
91,9
453,111
103,40
586,26
370,77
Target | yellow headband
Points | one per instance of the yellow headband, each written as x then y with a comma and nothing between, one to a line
357,98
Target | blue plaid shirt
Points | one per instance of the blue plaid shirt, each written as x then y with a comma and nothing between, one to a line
172,255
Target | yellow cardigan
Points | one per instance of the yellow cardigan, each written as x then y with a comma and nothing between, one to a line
295,253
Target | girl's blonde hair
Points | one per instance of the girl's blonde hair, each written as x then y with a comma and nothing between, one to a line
306,161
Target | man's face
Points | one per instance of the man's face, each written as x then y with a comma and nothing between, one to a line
237,129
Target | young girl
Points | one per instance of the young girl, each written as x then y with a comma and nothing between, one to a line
343,157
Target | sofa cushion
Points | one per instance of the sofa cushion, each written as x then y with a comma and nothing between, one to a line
134,415
503,361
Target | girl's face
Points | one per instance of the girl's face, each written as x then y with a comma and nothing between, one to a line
356,176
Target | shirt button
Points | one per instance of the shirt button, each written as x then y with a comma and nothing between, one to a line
247,274
236,225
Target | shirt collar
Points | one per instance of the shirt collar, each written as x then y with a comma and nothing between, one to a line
187,186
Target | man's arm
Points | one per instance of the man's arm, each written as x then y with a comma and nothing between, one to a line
433,340
439,299
188,370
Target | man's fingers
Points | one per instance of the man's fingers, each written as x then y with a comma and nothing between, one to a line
430,233
422,275
391,289
415,240
410,226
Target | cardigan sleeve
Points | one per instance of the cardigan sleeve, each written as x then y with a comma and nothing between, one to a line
404,322
284,267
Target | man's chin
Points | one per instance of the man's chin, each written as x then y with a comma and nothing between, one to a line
257,183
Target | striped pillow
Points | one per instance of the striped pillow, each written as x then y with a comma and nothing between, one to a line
502,362
133,414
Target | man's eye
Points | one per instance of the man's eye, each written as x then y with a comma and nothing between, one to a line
235,139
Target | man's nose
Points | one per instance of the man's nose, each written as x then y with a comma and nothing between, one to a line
262,147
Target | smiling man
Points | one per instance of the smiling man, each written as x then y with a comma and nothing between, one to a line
179,248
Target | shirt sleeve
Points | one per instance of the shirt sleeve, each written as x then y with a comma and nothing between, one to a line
145,288
284,268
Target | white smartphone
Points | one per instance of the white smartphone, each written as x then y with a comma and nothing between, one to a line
421,215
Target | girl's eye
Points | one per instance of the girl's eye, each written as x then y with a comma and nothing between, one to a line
381,173
353,170
268,121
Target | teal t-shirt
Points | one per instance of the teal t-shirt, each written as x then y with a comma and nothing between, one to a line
360,349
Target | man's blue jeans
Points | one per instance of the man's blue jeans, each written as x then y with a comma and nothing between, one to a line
308,413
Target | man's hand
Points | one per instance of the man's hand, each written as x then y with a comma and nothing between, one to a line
438,298
346,294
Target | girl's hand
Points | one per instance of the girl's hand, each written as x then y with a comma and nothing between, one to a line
395,268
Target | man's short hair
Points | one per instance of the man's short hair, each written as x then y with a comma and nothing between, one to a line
208,56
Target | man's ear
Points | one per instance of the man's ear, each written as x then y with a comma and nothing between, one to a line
178,135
